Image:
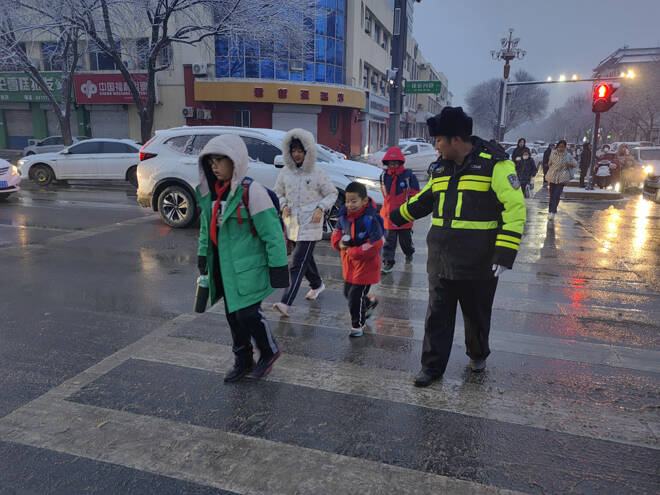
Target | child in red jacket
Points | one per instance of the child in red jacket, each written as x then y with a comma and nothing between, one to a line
398,185
359,237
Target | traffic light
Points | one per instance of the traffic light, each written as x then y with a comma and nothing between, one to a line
602,99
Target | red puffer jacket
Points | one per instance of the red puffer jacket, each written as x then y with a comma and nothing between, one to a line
361,262
398,185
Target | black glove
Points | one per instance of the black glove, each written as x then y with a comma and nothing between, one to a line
201,264
279,277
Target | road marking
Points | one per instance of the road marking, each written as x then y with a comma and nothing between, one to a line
456,396
215,458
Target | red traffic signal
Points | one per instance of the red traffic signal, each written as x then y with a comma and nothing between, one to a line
602,99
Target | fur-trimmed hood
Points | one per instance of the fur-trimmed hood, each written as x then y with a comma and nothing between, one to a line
308,142
229,145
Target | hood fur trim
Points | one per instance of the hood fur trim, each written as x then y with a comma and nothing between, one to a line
309,143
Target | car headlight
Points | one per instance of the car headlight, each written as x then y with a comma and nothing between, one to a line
370,183
15,170
648,169
21,162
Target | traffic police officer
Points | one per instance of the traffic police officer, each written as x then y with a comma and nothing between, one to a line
478,212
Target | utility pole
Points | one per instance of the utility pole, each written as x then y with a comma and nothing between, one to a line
395,74
508,51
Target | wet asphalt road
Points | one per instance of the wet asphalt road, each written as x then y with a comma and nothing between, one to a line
109,384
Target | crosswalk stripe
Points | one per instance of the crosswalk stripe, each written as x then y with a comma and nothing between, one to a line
500,340
215,458
511,406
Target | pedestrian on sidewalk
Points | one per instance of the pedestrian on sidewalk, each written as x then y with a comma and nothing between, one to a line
559,174
305,192
359,238
546,162
242,249
585,162
526,170
398,184
478,213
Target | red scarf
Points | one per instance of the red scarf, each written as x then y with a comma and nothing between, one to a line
353,215
219,190
395,171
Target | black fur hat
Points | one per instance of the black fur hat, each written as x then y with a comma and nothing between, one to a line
452,121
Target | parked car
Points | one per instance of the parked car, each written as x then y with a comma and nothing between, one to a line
10,179
90,159
418,155
631,144
48,145
649,158
168,173
335,154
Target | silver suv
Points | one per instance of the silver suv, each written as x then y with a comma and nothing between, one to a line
167,172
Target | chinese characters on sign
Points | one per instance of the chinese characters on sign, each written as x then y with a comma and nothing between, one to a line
423,87
108,88
18,87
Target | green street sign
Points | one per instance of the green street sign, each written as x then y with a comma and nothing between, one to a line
18,87
423,87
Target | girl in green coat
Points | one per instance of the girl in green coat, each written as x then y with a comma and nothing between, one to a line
242,248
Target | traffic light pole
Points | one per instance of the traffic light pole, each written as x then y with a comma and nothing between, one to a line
594,149
399,40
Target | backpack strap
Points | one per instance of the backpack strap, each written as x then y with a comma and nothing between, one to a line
246,182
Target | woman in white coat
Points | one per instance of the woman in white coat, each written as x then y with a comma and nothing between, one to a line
305,193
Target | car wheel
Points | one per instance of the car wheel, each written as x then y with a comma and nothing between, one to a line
176,207
42,174
330,217
131,175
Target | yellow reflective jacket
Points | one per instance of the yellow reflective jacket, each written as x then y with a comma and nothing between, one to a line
478,213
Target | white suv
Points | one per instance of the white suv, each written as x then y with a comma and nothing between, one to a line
168,174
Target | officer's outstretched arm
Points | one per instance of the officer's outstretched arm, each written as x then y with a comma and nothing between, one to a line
507,188
418,206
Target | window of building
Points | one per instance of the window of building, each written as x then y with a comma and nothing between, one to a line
282,69
367,22
365,76
330,51
386,41
251,67
51,56
221,46
99,60
329,73
339,75
377,32
164,58
242,119
142,52
267,68
237,67
320,73
221,66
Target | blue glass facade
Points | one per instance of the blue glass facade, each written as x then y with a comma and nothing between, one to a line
321,61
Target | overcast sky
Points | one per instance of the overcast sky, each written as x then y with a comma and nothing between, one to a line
564,36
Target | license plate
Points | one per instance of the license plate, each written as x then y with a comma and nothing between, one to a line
3,184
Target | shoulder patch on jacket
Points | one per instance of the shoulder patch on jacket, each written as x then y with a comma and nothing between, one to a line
514,181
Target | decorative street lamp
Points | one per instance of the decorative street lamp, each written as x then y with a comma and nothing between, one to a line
509,51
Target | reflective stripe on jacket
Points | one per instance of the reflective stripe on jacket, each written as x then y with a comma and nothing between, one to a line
478,213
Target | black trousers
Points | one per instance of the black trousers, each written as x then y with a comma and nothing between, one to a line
583,174
250,323
476,300
357,302
302,264
405,240
555,196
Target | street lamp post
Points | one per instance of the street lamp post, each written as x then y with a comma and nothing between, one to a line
509,50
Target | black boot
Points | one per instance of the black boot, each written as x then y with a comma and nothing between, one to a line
242,366
426,377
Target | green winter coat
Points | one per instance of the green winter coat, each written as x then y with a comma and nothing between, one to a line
246,261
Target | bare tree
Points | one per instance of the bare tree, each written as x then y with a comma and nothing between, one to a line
572,121
25,22
189,22
524,103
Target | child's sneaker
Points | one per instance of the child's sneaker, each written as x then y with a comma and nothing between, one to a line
282,308
314,293
373,302
388,266
356,332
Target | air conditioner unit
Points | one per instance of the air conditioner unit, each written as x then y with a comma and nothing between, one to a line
203,114
199,69
188,112
296,65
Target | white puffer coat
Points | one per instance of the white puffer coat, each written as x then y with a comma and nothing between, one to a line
303,189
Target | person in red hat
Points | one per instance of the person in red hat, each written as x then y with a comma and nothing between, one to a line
398,185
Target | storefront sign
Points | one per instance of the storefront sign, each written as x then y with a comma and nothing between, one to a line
423,87
18,87
379,108
108,89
